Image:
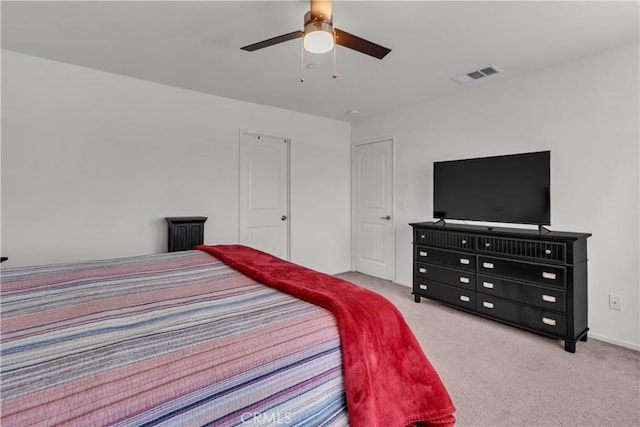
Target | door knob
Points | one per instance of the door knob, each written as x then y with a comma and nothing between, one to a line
284,217
386,217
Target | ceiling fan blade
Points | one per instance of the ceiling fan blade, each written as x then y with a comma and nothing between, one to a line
361,45
274,40
321,9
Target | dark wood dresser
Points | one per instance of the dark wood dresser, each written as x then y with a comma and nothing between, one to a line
534,280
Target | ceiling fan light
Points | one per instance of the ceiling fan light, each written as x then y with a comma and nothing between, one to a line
318,41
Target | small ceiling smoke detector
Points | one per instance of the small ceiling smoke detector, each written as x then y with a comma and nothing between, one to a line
477,74
353,112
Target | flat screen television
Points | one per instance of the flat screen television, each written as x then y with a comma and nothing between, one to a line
511,189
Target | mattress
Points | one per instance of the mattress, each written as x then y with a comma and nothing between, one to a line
166,339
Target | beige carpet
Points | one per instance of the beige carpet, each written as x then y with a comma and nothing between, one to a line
498,375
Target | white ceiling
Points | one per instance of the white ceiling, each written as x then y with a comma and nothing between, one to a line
196,45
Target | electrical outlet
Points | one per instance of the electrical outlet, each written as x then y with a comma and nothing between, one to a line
615,302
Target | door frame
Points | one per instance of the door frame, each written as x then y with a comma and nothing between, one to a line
287,186
393,200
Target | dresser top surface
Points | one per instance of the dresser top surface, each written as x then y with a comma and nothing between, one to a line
521,233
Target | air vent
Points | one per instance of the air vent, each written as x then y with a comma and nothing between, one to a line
477,74
490,70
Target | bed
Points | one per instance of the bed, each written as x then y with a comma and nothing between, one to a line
220,335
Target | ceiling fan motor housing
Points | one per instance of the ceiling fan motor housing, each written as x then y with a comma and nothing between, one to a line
317,23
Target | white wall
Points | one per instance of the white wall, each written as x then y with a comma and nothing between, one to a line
586,112
92,162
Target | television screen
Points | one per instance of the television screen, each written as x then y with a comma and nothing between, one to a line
512,188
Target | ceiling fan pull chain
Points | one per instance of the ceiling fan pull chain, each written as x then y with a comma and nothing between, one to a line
302,61
334,75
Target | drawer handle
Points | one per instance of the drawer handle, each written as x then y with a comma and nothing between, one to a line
423,253
422,236
464,298
464,261
464,279
464,242
547,321
486,245
548,298
547,251
487,264
422,270
487,304
487,285
423,287
547,275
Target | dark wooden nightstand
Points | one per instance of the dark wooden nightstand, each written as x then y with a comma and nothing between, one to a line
185,232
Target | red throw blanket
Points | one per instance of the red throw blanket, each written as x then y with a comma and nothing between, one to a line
388,379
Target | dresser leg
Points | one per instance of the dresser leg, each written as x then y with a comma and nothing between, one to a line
584,338
570,346
416,298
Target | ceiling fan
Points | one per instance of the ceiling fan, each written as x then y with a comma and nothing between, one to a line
320,35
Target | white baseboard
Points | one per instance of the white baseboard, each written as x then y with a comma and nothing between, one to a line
614,341
405,284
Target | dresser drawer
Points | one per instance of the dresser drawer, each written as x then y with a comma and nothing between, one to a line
521,248
547,298
449,294
449,276
537,273
444,239
460,260
541,320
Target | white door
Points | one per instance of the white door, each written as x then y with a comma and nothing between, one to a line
372,207
264,193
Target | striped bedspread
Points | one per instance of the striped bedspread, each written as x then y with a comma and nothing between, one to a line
167,339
